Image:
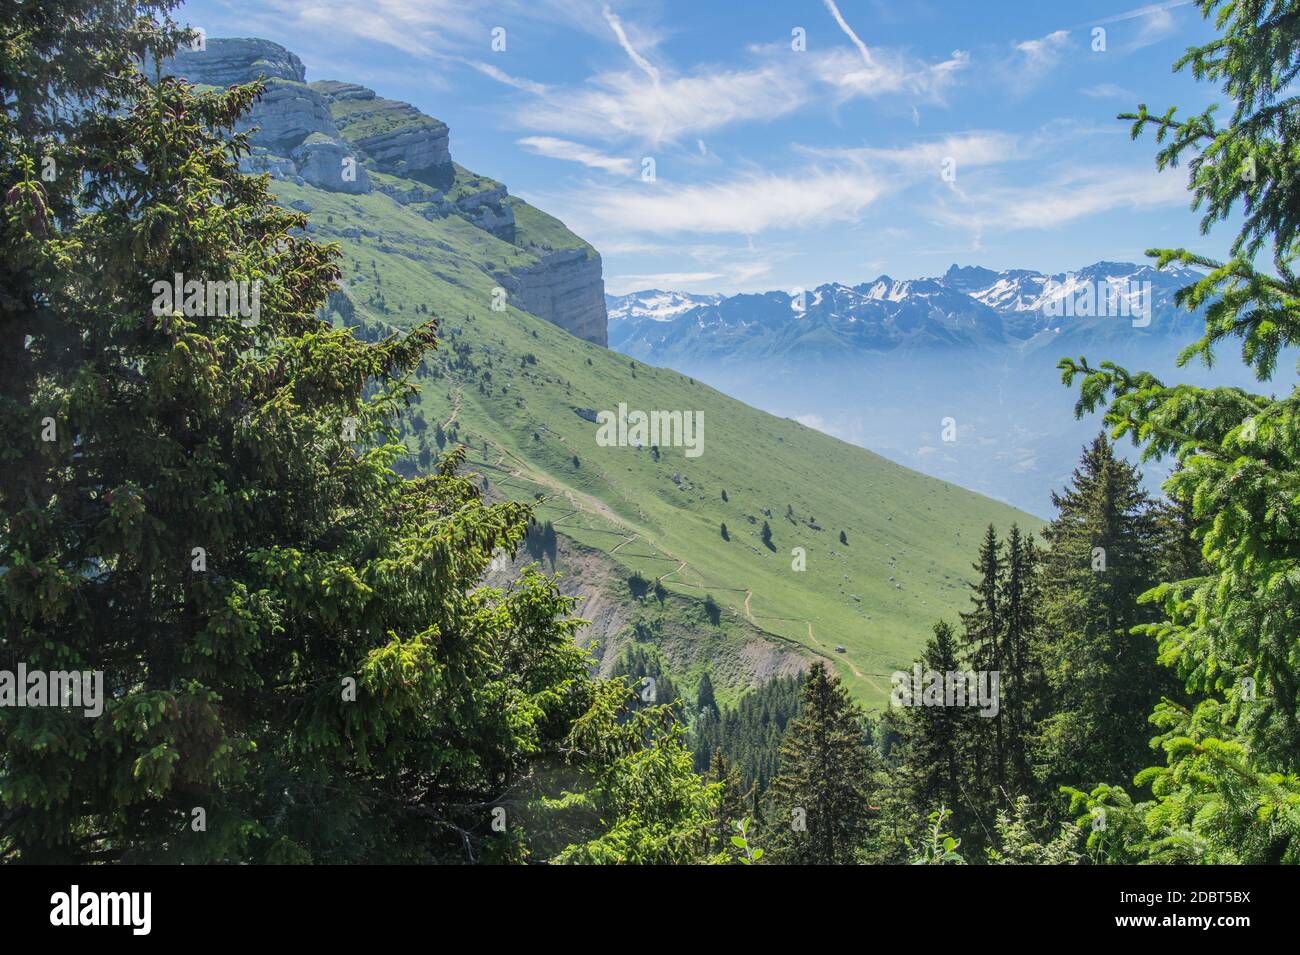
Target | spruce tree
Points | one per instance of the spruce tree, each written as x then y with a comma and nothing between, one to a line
937,743
1102,679
1225,787
983,635
201,506
733,802
1020,680
819,810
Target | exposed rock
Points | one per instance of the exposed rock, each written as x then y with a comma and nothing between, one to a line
288,113
230,61
490,211
291,122
329,133
330,164
566,289
395,136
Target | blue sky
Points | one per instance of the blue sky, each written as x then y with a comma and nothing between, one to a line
904,136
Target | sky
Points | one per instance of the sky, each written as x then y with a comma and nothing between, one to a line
741,145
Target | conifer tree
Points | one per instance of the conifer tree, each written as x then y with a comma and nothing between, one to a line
1103,680
1226,786
819,810
705,700
1019,683
937,742
733,802
984,634
201,506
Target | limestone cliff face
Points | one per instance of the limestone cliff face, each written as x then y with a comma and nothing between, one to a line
566,289
334,135
291,129
226,62
396,137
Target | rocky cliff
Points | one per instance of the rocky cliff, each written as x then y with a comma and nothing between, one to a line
344,137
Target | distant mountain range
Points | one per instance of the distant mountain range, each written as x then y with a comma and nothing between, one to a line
969,308
887,363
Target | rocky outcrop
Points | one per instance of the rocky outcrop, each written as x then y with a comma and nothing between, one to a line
566,289
291,128
489,210
396,137
227,62
333,135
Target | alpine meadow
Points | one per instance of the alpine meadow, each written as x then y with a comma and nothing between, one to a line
355,510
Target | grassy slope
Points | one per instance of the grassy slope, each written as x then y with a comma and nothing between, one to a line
911,539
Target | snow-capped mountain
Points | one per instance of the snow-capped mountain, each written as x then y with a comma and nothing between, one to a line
654,305
967,307
889,363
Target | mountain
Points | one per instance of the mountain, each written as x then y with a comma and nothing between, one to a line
953,375
654,304
968,308
519,380
341,137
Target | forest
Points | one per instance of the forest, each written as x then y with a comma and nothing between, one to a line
302,665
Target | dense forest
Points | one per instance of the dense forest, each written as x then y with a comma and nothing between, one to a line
304,667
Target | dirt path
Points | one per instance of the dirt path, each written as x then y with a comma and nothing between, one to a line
671,572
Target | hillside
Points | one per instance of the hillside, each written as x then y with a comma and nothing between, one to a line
425,237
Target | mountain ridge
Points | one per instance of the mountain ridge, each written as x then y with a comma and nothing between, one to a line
970,307
344,137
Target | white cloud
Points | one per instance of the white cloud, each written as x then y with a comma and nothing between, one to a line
626,105
1039,56
848,31
982,148
672,280
501,76
576,152
413,26
644,65
1071,195
746,205
887,73
1157,24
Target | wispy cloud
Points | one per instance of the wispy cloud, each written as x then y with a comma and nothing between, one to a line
925,157
1037,57
625,105
848,31
745,205
501,76
1065,197
576,152
644,65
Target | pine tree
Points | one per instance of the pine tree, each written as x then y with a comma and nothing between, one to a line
937,743
201,506
819,803
1103,680
1227,786
983,634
